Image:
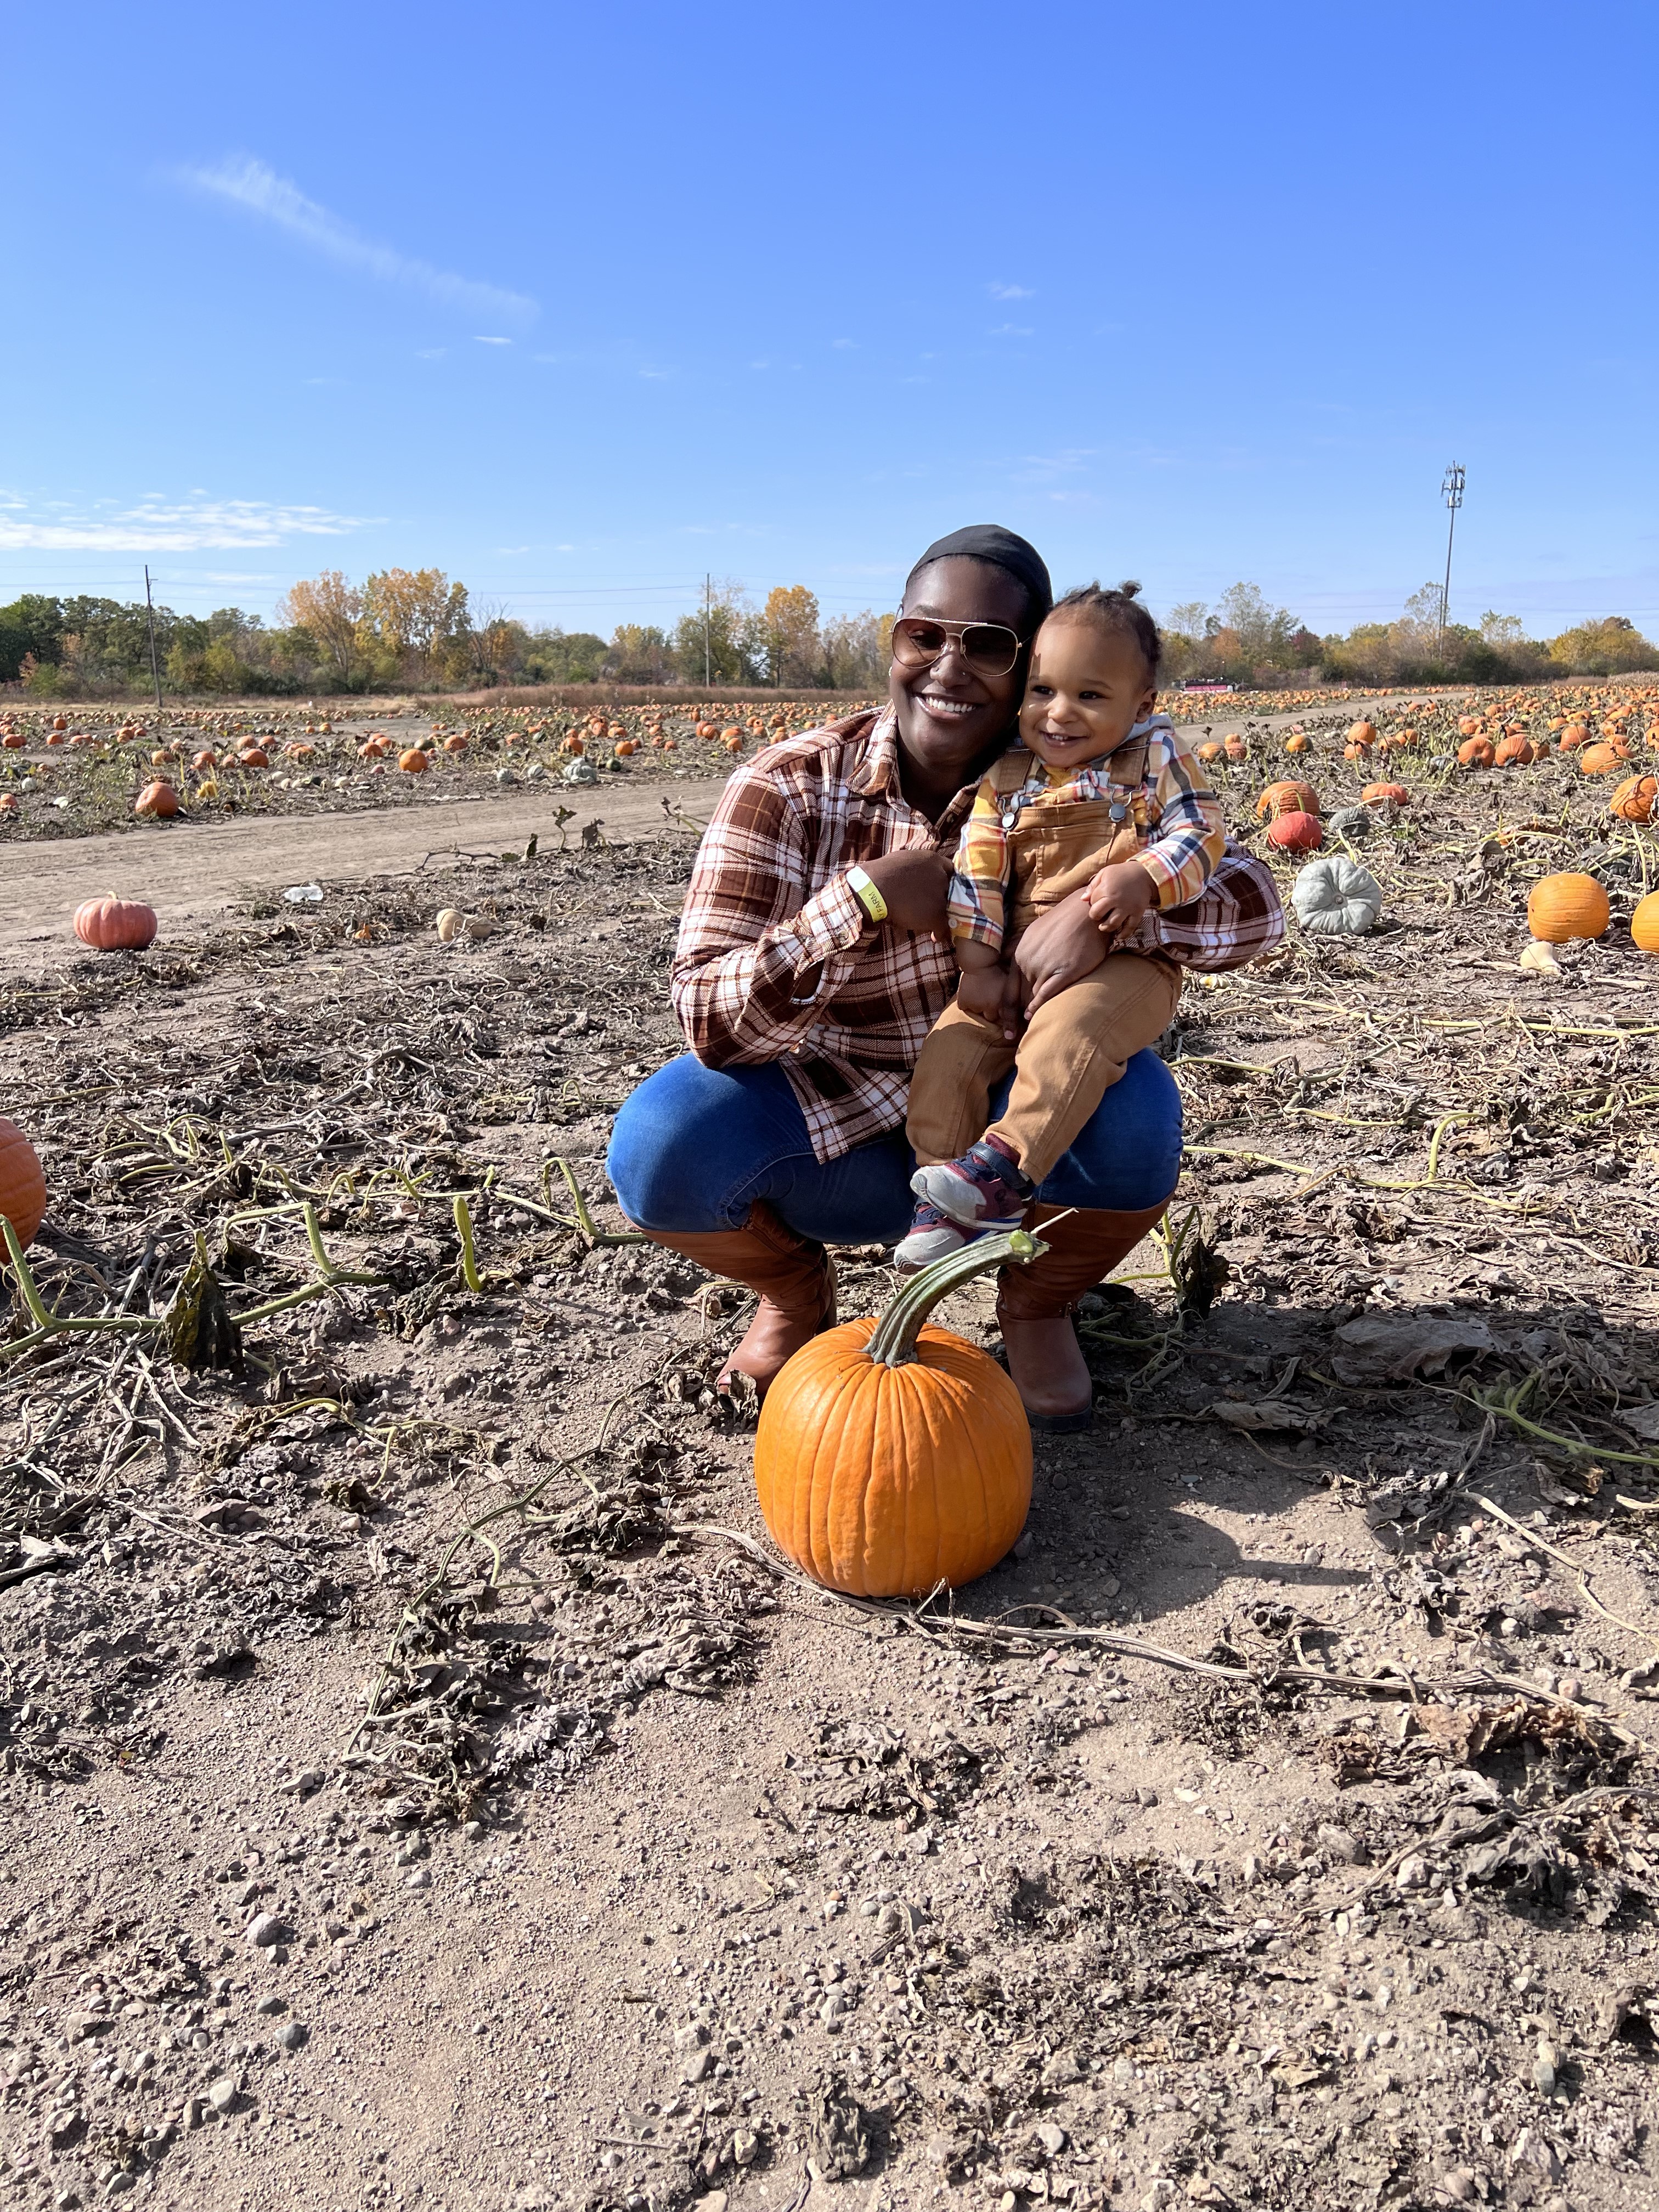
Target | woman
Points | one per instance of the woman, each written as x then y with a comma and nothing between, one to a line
813,960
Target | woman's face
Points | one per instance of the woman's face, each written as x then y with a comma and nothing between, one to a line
950,717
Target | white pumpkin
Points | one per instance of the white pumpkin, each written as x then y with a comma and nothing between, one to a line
1334,896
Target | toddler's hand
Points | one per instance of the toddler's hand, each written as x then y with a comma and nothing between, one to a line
1118,896
985,993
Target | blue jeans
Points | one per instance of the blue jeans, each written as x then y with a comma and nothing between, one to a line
694,1146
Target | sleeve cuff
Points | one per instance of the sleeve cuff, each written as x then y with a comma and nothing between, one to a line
1166,884
832,921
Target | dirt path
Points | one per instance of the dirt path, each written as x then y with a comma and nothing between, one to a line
191,873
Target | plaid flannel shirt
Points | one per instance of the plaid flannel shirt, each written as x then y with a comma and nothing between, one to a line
1169,804
776,959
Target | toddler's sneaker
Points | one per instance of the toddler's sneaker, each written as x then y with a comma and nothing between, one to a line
984,1190
933,1237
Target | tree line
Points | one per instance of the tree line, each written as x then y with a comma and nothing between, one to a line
420,629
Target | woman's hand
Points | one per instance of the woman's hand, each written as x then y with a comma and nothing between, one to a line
1059,948
914,883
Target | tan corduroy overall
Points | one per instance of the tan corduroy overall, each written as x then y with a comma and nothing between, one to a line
1076,1045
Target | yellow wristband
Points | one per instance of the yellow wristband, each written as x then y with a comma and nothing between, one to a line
867,895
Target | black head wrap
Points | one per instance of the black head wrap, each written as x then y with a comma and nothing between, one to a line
1000,548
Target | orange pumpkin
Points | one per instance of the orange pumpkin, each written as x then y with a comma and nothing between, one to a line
7,804
1286,798
455,745
1575,734
1210,750
22,1183
1234,746
1297,833
205,759
14,741
1565,907
115,925
253,756
159,801
1515,752
1298,742
1362,734
414,761
891,1456
1633,801
1644,924
1476,752
1600,760
1385,794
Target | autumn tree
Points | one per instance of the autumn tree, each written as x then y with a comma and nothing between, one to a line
789,633
329,609
414,613
712,644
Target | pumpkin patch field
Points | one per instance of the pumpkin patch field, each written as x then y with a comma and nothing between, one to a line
417,1756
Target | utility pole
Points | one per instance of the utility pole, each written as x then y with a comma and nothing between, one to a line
708,609
150,616
1451,490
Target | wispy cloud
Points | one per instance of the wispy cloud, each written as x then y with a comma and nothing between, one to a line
1009,330
1010,292
156,525
258,189
478,341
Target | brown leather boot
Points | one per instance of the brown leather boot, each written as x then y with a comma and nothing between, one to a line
793,1280
1035,1306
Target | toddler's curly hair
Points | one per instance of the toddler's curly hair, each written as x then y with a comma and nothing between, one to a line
1119,609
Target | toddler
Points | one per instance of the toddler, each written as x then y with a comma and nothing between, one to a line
1100,791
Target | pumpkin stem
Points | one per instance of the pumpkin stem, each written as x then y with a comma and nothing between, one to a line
894,1343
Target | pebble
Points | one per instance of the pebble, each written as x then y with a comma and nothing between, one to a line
1052,2138
294,2036
421,1879
221,2094
1341,1844
265,1930
1458,2184
1145,1796
1411,1873
271,2002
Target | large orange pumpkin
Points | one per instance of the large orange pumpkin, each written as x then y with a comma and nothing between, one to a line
1385,794
1600,760
414,761
115,925
891,1457
22,1183
1515,752
1476,752
1564,906
1362,734
158,800
1644,924
1286,798
1573,736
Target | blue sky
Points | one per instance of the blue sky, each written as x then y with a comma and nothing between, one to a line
578,303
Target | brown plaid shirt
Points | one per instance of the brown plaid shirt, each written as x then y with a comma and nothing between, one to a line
777,960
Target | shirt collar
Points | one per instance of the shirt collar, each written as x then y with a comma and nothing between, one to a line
878,773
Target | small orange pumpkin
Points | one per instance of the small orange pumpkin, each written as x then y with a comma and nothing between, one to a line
891,1456
1234,746
22,1183
14,741
1575,734
158,801
253,756
1298,742
414,761
1515,752
1362,734
1564,906
1385,794
115,925
1634,799
1297,833
1210,750
1476,752
455,745
1286,798
1644,924
1468,726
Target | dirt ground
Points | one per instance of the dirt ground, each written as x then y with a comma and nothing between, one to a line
424,1785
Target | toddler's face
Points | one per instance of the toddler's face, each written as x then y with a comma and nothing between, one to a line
1088,689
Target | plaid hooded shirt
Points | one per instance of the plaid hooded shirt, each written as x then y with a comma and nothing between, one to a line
777,960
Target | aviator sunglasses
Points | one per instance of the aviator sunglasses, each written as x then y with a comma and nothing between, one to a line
988,647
